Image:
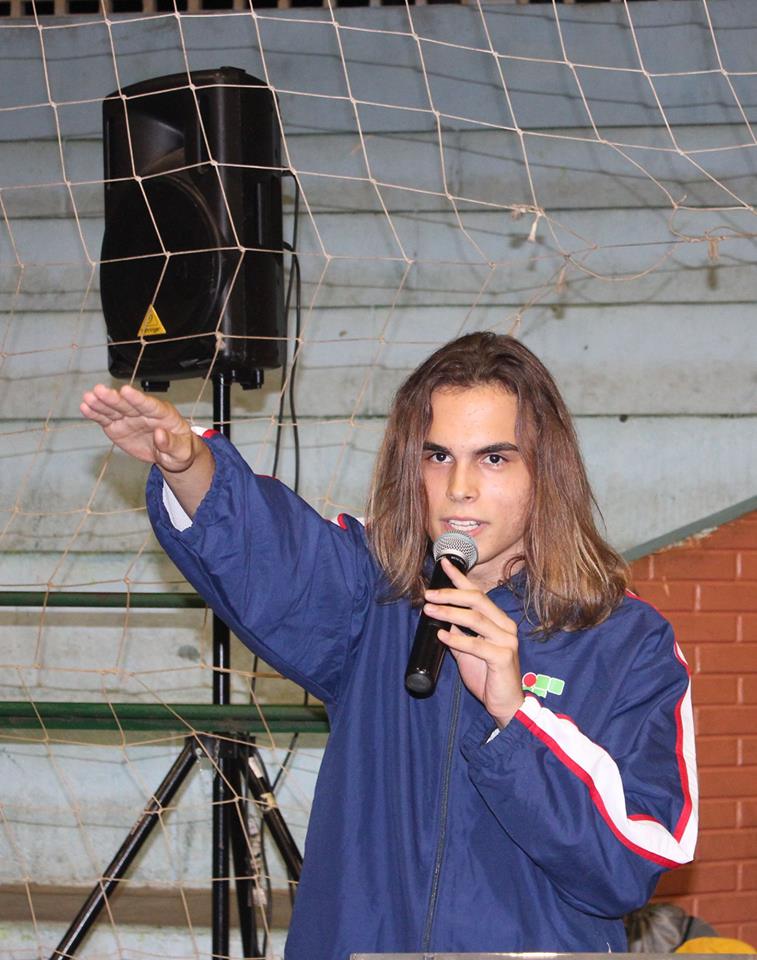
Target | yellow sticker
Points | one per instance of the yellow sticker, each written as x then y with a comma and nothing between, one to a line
151,325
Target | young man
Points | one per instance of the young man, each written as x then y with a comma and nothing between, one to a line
536,796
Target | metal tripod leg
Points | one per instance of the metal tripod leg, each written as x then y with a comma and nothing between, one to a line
221,696
127,851
243,770
244,870
221,858
261,789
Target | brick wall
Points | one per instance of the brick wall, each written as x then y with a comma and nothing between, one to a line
707,587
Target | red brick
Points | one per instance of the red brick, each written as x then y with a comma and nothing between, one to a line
727,844
730,930
738,596
748,875
707,688
748,933
717,752
714,814
670,595
725,907
712,721
747,750
748,685
747,815
691,627
699,878
694,565
726,657
738,535
641,569
748,565
738,782
748,627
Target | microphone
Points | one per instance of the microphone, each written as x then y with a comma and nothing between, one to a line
428,650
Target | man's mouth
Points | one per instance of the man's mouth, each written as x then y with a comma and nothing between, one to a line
463,526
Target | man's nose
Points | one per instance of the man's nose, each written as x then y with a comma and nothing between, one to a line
462,485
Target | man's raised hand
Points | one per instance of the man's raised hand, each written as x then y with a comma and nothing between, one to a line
143,426
154,431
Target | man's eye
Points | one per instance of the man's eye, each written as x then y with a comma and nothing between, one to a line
438,457
495,459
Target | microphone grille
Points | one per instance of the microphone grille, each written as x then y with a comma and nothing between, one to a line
459,544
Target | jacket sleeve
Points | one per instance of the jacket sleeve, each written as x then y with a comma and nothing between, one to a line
601,815
291,585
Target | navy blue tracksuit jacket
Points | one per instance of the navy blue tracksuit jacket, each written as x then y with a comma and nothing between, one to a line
425,835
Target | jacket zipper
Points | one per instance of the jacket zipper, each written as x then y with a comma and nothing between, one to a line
455,713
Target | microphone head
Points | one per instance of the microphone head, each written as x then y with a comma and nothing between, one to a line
459,545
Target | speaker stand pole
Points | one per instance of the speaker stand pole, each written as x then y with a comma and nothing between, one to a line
222,697
240,778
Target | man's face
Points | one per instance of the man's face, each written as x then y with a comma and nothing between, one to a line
475,479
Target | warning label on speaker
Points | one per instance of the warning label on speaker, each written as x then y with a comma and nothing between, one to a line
151,325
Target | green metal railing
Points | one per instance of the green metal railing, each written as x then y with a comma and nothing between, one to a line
183,717
62,598
113,717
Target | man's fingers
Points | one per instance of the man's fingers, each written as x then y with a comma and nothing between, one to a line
110,403
456,575
475,600
91,413
173,451
168,445
103,402
500,633
462,643
143,404
162,440
106,405
458,598
497,655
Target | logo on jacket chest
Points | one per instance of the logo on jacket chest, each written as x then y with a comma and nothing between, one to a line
541,684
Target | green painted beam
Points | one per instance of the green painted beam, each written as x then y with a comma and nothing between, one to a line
182,717
64,598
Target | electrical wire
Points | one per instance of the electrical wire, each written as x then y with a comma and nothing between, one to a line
294,285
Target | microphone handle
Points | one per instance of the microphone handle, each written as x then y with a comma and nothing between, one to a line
428,651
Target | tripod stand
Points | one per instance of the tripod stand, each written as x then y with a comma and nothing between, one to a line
240,776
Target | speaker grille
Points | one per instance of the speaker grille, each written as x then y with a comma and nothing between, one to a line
197,239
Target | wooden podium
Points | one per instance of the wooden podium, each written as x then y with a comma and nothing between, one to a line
539,956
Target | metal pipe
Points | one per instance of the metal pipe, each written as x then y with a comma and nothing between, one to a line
64,598
221,696
242,718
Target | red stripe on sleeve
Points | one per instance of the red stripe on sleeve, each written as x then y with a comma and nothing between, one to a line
593,791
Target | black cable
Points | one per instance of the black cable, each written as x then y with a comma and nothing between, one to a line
266,883
280,416
292,376
296,440
295,283
287,759
294,272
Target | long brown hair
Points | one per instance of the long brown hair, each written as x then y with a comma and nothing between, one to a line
573,578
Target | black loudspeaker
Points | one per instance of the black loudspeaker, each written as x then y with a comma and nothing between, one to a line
192,272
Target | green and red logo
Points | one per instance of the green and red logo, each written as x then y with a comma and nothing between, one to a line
541,684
